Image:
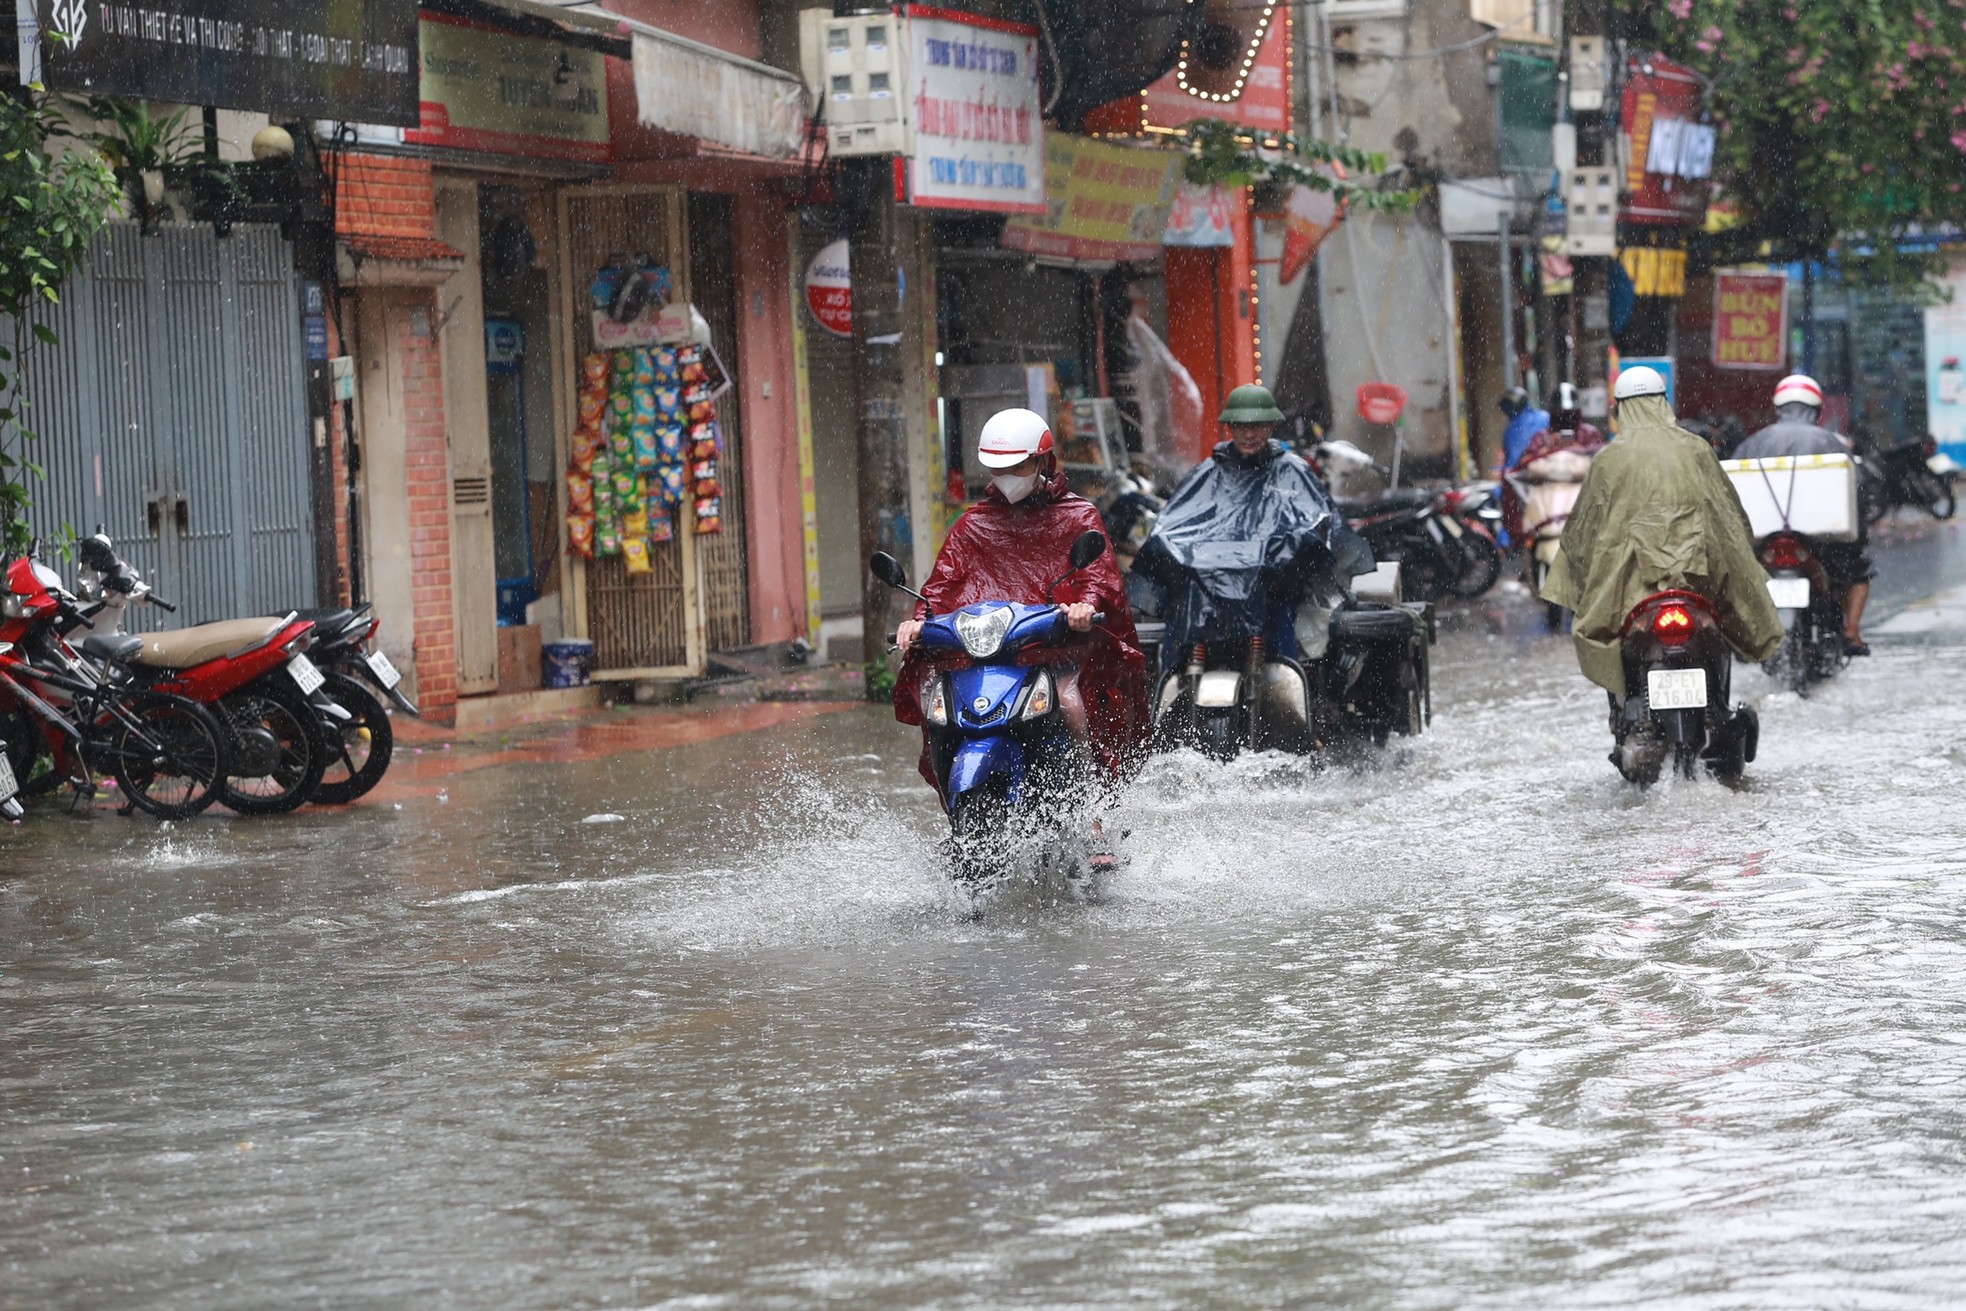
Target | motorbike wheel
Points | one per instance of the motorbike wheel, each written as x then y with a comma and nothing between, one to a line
1873,500
182,774
359,747
1483,567
1934,494
1216,736
1640,758
272,724
979,837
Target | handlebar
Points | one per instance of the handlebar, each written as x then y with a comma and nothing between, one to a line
169,607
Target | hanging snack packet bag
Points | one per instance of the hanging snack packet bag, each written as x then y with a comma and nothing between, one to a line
635,554
580,535
594,369
647,449
580,492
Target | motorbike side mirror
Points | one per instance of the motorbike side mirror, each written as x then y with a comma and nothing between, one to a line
888,570
1090,545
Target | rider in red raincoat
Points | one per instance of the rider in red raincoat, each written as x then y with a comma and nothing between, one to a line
1005,550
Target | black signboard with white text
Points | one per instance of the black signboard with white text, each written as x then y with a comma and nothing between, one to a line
342,59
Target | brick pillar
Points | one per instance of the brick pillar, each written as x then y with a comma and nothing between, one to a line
427,469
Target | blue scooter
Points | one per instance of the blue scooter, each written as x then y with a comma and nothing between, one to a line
999,744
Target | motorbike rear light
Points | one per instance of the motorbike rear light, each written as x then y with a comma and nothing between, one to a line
1673,625
1783,552
935,700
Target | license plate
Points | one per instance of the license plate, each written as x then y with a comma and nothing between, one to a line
1789,593
305,675
7,784
385,673
1676,689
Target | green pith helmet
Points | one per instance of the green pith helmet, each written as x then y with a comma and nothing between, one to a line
1251,404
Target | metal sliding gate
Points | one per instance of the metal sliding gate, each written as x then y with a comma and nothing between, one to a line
173,414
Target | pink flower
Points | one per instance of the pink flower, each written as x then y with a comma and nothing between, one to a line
1680,8
1959,142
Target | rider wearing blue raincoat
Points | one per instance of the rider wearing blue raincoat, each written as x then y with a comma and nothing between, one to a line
1241,539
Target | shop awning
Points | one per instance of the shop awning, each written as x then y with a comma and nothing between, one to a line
686,87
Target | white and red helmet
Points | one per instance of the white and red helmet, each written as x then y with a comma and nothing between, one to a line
1798,389
1012,437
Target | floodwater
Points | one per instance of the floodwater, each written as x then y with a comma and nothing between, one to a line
1480,1026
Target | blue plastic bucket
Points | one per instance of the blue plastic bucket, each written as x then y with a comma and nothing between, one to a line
566,664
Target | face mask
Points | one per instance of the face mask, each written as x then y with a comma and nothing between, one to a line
1015,489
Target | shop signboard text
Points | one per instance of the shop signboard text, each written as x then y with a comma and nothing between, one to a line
1101,202
977,130
1750,320
496,91
354,60
829,289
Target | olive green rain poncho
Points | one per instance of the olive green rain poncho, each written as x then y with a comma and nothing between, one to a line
1656,512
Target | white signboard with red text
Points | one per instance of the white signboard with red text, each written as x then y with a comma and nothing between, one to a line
977,130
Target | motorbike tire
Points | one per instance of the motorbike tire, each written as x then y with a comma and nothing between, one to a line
1216,736
275,704
344,779
1873,500
1483,566
1934,494
1414,679
1642,765
979,837
193,751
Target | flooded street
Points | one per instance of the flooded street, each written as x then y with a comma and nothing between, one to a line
1476,1026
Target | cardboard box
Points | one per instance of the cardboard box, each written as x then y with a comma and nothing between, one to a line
518,658
1815,495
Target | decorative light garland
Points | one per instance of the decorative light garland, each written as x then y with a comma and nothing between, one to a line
1242,74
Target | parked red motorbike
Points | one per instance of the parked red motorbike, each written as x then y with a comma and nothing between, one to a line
88,714
253,673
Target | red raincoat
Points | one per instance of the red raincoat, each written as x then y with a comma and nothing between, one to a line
1003,552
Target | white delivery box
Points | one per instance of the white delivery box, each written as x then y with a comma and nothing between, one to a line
1815,495
1546,502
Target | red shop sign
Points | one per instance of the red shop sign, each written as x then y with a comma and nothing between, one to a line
1665,142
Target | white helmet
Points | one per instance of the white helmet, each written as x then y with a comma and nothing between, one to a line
1798,389
1639,381
1012,437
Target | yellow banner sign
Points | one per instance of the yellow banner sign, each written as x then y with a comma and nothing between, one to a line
1102,202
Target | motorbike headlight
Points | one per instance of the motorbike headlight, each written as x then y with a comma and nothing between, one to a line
1043,696
982,634
935,700
13,605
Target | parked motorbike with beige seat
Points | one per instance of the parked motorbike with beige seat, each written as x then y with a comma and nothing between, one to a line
252,673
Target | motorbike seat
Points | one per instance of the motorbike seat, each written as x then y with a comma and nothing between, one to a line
117,648
1372,623
184,647
1405,498
328,624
